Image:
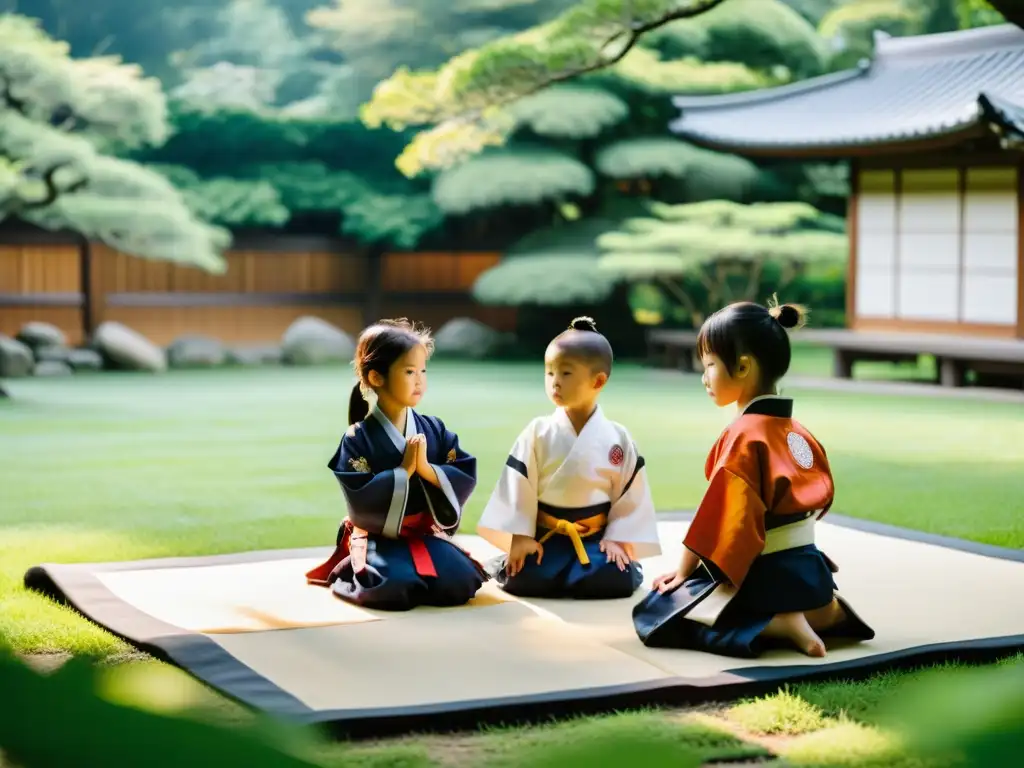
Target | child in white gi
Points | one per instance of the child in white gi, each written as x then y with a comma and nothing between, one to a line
572,508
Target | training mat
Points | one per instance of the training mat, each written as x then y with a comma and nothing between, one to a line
249,625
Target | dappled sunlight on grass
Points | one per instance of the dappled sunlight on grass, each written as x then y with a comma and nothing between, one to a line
851,745
781,714
33,624
513,747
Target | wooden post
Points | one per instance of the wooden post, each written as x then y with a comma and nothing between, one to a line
1020,251
842,363
852,216
952,373
374,275
85,281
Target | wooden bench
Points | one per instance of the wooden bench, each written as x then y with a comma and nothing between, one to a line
991,359
672,349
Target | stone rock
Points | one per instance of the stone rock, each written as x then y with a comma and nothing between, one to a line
52,368
312,341
128,349
16,359
466,337
54,353
255,355
38,335
195,352
85,360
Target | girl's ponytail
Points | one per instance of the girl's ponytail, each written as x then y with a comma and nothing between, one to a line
358,408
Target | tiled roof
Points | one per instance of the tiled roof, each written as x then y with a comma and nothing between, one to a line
915,88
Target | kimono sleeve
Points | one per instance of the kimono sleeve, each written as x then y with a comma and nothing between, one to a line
457,479
512,507
728,529
377,496
632,520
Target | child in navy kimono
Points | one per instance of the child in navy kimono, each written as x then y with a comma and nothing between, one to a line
405,479
750,569
572,508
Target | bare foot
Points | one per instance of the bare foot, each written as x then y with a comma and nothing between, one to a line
795,628
827,616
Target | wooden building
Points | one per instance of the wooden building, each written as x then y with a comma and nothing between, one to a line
933,128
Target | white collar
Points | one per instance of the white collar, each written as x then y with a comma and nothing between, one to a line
595,417
392,431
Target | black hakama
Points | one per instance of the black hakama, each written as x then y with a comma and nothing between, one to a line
561,573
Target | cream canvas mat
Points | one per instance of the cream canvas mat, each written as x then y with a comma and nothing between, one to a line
250,626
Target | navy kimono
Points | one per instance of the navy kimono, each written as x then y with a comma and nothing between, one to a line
410,559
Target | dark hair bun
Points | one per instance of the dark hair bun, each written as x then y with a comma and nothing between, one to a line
583,323
789,315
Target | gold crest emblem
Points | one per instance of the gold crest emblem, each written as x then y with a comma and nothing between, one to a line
451,456
360,464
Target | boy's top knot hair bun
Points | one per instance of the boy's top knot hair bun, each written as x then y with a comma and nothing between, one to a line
582,341
583,323
787,315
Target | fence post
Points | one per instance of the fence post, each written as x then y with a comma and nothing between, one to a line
374,275
85,280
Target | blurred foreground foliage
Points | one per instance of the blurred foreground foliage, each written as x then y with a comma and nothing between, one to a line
972,716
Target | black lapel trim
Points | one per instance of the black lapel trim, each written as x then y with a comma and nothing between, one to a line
517,465
771,406
639,465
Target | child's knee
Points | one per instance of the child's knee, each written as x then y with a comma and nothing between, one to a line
609,581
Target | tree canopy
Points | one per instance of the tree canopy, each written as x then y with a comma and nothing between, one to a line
511,176
463,101
850,26
569,112
375,37
720,246
61,120
291,166
554,266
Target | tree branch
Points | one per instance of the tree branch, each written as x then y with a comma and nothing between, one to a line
680,294
754,280
8,97
20,205
52,192
634,33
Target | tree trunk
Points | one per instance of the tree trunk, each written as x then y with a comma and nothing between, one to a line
687,302
753,280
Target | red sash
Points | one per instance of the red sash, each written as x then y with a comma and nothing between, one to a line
415,529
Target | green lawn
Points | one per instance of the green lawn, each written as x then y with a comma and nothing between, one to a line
111,467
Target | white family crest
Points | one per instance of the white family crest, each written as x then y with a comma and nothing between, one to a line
800,449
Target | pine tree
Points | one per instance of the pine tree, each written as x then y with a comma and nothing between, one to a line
63,122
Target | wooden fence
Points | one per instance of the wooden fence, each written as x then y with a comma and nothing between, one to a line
270,281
